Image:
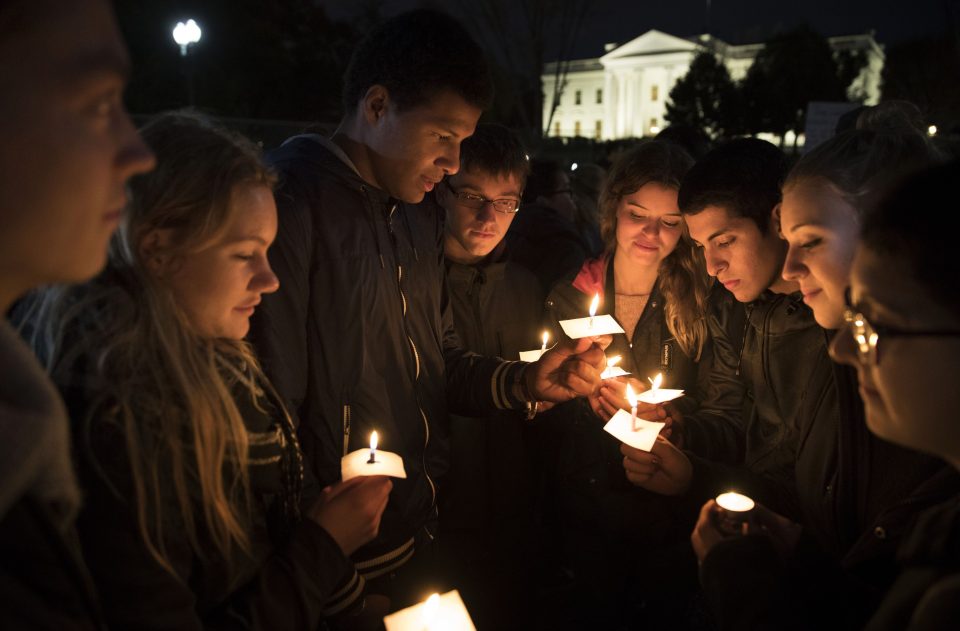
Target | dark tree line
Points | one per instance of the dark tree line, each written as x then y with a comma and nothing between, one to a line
790,70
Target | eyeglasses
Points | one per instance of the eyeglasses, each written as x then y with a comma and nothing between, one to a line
476,202
867,336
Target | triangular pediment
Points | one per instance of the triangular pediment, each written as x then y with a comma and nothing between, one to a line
651,42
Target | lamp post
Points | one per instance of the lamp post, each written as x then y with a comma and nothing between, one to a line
184,34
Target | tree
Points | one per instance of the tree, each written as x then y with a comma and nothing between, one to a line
705,98
925,72
515,34
791,70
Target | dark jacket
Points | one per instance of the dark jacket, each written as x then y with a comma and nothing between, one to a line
360,336
546,243
603,515
44,583
497,311
926,596
855,496
285,581
489,506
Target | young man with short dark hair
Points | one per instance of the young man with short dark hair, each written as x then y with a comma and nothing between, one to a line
488,500
359,337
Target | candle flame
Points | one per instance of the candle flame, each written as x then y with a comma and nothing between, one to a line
594,304
656,381
373,441
631,396
735,502
613,361
431,608
546,336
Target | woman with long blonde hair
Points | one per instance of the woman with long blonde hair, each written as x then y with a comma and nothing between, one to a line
190,465
651,279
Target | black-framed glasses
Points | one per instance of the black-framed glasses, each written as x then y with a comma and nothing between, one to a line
866,335
507,206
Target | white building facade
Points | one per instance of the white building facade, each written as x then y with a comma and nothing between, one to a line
623,94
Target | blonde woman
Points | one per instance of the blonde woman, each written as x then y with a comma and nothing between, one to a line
652,280
191,469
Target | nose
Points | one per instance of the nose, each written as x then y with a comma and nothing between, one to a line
842,348
265,281
715,263
651,227
133,155
449,160
486,213
793,267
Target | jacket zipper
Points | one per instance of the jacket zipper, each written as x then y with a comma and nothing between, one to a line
416,359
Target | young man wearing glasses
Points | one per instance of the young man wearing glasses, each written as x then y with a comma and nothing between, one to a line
487,497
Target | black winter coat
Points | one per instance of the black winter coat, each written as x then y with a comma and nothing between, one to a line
360,336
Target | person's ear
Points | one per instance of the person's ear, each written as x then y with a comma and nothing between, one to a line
153,250
775,221
374,104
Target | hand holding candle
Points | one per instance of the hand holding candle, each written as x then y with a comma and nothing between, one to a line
570,369
350,511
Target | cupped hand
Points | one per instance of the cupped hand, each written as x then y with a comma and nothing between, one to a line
350,511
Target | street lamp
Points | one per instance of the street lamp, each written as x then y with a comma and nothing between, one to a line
185,34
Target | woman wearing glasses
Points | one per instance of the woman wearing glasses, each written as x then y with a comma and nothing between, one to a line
904,341
652,280
857,494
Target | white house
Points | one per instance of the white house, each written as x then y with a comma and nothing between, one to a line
623,94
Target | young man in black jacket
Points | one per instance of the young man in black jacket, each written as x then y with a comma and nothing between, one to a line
487,499
360,335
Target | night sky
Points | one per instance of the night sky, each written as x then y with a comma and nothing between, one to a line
736,21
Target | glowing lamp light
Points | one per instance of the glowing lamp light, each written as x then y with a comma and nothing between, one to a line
186,33
932,130
654,129
573,167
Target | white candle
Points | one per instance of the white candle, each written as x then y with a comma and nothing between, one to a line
593,307
632,399
735,502
371,462
430,610
440,612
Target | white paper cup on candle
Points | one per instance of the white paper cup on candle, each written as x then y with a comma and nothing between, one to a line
735,511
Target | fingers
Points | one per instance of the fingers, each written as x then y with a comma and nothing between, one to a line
580,377
603,341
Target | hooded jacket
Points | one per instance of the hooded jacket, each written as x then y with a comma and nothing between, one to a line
360,336
44,583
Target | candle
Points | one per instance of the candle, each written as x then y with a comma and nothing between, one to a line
632,399
656,394
734,512
373,448
439,612
546,336
593,307
371,462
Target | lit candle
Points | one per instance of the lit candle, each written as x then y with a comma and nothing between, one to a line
735,512
546,336
613,361
373,448
372,461
593,307
632,399
656,381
